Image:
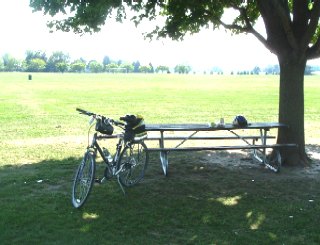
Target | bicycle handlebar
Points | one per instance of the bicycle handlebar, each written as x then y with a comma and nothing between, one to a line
88,113
81,111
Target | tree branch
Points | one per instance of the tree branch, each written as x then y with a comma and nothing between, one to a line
248,27
313,24
244,15
262,40
232,26
314,51
301,15
286,24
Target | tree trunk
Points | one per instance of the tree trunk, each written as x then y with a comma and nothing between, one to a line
291,109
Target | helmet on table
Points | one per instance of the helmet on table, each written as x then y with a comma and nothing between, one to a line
240,121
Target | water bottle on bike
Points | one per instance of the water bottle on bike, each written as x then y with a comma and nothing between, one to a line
107,155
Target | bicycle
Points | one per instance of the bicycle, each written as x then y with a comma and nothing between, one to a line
128,163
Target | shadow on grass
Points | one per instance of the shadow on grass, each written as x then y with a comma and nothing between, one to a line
198,203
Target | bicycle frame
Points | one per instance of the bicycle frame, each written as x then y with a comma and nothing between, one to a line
96,147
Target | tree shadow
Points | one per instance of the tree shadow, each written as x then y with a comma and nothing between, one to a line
199,202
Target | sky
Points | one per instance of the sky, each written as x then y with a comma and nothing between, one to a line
22,30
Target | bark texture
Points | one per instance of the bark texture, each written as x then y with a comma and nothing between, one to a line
291,109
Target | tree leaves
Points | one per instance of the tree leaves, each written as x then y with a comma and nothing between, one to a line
295,22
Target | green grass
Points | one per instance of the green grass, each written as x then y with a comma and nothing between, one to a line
43,138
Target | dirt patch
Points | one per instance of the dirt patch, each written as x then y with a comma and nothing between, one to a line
242,160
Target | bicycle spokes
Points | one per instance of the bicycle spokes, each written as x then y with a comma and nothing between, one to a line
133,163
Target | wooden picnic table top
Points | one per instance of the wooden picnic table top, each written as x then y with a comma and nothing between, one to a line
207,126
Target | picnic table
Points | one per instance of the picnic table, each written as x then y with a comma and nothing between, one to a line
259,145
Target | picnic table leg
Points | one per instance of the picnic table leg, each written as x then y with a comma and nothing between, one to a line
264,142
163,156
275,163
263,138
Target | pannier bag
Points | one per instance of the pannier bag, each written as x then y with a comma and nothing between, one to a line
135,128
104,127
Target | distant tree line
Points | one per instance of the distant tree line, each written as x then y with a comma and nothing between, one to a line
275,70
37,61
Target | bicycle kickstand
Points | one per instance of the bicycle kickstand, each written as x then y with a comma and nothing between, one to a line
121,186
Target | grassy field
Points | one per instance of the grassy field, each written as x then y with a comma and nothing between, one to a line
43,138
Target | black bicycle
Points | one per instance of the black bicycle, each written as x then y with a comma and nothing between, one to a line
128,163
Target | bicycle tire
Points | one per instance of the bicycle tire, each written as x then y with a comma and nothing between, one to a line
83,180
134,158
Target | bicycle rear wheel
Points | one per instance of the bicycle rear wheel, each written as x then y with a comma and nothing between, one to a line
83,180
133,159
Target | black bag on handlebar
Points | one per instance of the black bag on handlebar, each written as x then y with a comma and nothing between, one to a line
104,127
135,127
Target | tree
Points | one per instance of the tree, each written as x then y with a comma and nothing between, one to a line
30,55
291,27
35,61
128,67
36,65
162,69
182,69
136,66
256,70
58,62
95,66
62,66
144,69
151,68
1,65
78,66
111,67
275,69
216,70
10,63
106,61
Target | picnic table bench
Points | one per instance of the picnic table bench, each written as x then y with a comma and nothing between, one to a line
167,132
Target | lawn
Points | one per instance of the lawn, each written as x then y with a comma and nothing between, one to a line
43,139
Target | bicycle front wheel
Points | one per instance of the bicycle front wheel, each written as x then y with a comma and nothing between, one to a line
83,180
133,161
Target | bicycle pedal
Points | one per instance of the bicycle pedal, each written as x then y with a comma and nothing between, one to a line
98,181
